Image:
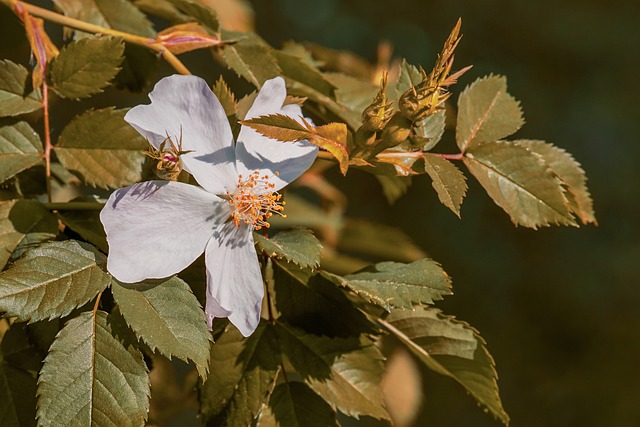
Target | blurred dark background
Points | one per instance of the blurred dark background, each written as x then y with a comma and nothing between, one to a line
559,307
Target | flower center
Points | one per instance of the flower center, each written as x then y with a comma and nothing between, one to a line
254,201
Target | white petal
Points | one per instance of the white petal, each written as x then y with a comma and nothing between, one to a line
257,152
157,228
234,281
186,104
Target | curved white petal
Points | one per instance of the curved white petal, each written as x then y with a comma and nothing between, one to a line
157,228
234,281
257,152
185,105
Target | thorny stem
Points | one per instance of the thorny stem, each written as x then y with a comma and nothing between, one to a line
47,138
419,155
96,29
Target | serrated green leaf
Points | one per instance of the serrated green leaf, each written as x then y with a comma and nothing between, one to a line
570,173
486,113
378,240
396,285
19,351
117,14
296,69
431,129
408,77
18,391
309,301
450,347
448,181
520,182
102,148
51,280
168,318
294,404
251,58
298,246
345,372
352,97
86,66
394,186
90,379
14,80
226,98
88,225
20,148
23,221
243,372
200,12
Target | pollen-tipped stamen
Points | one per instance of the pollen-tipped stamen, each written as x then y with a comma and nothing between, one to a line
254,201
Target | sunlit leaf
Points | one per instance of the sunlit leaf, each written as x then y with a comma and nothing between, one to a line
14,99
243,371
452,348
520,182
294,404
20,148
168,318
486,113
86,66
251,58
18,391
394,186
90,379
297,246
378,240
345,372
396,285
430,130
22,222
447,180
331,137
570,173
226,98
103,149
51,280
408,77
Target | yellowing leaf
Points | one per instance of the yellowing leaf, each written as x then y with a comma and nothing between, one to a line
187,37
486,113
86,66
570,173
521,183
447,180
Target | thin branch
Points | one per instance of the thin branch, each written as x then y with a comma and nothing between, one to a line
47,138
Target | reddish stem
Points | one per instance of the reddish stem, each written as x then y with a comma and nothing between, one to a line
47,138
458,156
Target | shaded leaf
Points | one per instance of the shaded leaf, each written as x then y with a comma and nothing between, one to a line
88,225
251,58
396,285
430,130
14,99
311,302
23,222
298,246
18,391
86,66
570,173
117,14
452,348
51,280
19,351
168,318
408,77
345,372
378,240
89,378
296,69
394,186
520,182
448,181
331,137
243,372
486,113
102,148
199,12
20,148
295,404
352,97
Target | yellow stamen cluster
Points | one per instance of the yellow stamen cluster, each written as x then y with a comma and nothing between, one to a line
254,201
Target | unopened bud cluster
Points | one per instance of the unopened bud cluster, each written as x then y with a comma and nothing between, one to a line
169,164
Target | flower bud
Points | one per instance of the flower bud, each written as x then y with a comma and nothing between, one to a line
376,116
